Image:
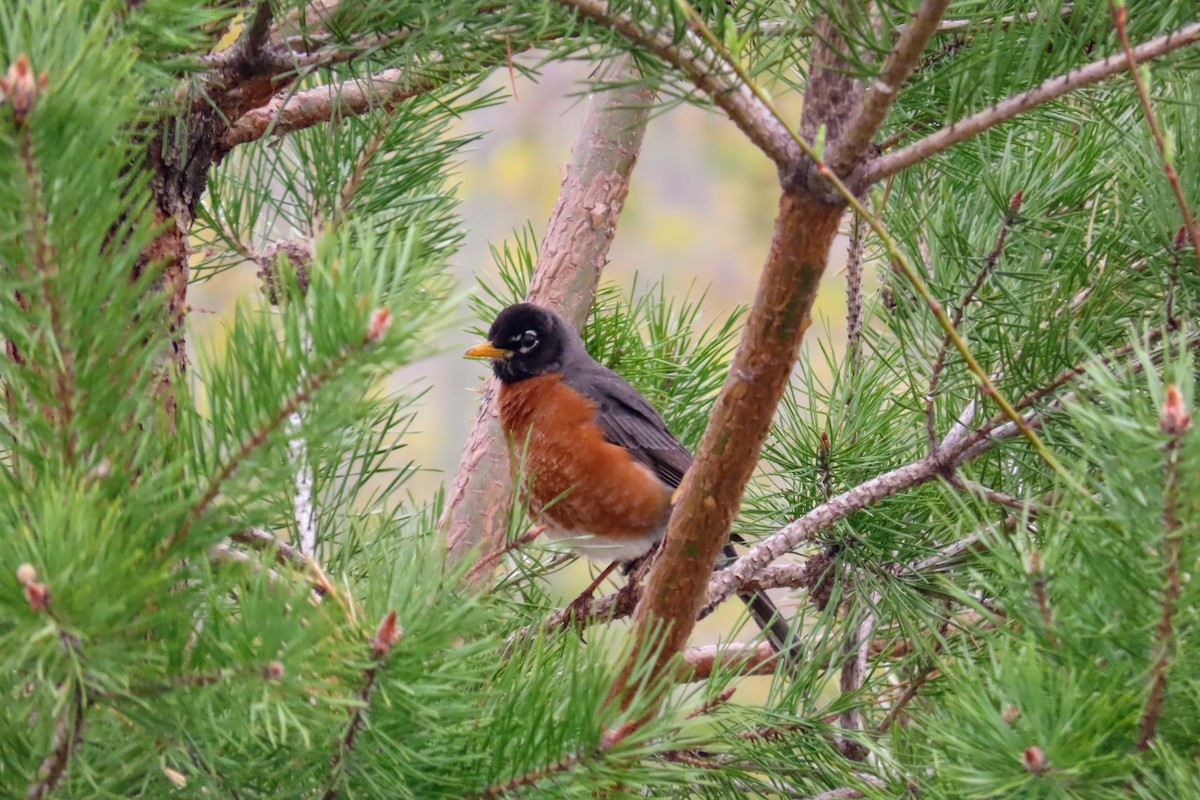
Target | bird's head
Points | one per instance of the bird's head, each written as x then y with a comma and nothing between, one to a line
526,341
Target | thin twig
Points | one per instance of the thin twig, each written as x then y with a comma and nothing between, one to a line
846,152
222,552
608,741
788,27
68,727
910,692
710,705
854,306
1014,206
879,168
999,498
489,560
1120,14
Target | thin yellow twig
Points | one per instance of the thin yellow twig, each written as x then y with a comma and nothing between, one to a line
1120,16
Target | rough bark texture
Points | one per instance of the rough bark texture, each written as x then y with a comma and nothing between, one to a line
572,257
712,493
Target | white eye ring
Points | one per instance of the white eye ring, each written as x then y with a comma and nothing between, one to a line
528,341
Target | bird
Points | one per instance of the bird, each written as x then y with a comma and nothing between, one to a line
595,461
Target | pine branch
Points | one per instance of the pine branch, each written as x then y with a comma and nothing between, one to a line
887,484
1120,15
259,437
385,639
1175,422
847,150
953,452
884,166
68,727
21,90
68,733
300,110
854,672
708,70
957,448
699,663
571,258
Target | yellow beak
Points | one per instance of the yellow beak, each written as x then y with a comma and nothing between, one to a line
486,350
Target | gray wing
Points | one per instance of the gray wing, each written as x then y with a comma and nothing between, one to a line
629,421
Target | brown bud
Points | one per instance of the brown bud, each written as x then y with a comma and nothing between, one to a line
1034,759
273,671
1014,205
1180,237
20,88
1175,418
386,637
38,595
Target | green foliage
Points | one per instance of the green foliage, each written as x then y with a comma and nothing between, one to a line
1018,636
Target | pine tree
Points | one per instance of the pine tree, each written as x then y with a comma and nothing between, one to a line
213,584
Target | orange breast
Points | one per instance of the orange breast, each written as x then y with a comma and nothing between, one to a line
571,474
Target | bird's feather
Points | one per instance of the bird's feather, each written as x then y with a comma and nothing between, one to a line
630,421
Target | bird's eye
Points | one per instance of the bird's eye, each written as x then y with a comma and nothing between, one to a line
529,341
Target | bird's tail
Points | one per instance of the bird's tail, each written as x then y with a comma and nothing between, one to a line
766,615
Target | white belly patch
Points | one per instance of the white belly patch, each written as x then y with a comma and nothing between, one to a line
600,549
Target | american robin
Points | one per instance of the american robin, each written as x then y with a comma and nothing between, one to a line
598,464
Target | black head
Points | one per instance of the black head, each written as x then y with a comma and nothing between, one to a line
526,341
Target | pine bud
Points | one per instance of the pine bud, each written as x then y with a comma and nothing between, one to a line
26,574
38,595
1175,419
1180,237
20,88
273,671
389,633
381,320
1035,760
1010,714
